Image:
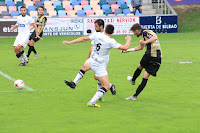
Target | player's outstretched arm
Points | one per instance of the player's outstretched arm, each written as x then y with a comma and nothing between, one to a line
140,47
80,39
14,27
126,46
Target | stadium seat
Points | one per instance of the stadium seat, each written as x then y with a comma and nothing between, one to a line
75,3
59,8
16,1
10,3
80,13
123,6
128,2
71,13
108,11
98,12
114,6
5,13
93,2
120,15
35,1
45,13
33,13
96,7
47,3
68,7
111,15
14,13
2,3
38,3
102,2
117,11
12,8
3,8
86,7
52,13
6,1
61,12
6,16
28,3
56,3
137,13
102,15
130,14
89,12
77,7
19,3
83,3
120,2
126,11
44,1
110,2
105,7
31,8
50,8
64,3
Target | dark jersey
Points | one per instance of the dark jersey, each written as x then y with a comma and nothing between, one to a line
153,49
40,21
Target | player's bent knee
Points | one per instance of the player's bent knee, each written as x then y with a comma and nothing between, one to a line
95,77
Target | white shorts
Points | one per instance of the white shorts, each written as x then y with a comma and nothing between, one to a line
21,39
98,68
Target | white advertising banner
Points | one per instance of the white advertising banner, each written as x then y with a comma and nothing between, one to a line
63,27
121,24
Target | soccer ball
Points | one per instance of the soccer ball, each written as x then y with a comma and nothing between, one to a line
19,84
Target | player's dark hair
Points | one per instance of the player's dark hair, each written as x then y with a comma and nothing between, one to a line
22,7
136,27
99,22
109,29
41,7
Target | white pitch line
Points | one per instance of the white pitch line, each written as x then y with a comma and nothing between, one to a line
12,79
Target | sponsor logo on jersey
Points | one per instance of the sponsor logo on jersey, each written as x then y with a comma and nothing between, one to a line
21,25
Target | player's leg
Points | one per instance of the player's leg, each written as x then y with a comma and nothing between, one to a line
19,52
79,76
112,86
100,92
140,87
135,75
30,44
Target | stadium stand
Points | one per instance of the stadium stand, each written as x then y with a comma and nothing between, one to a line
14,13
67,8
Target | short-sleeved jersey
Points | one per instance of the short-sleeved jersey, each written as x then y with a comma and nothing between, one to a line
40,21
102,45
153,49
24,24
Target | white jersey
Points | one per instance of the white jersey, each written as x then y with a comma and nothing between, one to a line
102,45
24,24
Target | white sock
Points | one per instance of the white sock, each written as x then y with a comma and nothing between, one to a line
24,56
79,76
21,59
98,94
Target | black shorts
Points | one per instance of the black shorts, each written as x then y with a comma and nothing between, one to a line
33,35
151,64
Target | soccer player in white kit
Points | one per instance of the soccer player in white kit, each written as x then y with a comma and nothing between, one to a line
100,57
99,27
23,24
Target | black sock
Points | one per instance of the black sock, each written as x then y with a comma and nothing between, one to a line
33,49
141,87
20,53
29,51
136,74
83,72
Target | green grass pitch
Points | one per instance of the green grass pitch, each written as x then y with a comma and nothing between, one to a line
170,103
